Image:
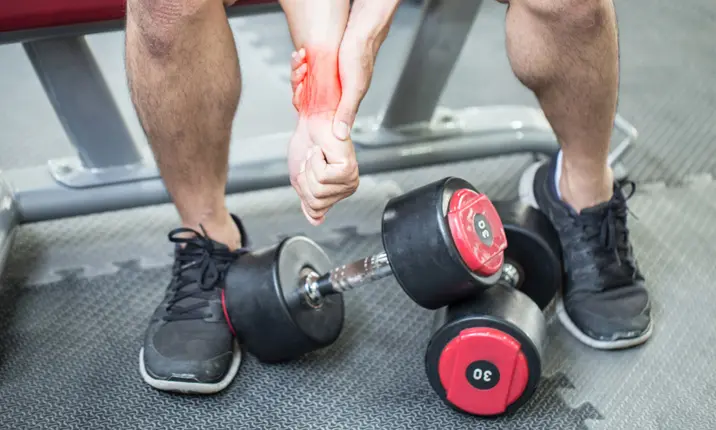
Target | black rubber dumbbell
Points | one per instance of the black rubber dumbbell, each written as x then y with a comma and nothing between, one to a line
442,242
485,354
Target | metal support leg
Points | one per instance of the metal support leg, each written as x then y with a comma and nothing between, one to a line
83,102
437,45
8,221
412,115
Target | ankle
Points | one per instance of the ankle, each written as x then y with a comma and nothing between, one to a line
583,189
218,225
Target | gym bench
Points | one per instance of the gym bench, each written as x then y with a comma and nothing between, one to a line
110,173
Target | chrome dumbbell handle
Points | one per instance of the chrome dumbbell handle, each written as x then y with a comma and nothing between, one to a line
347,277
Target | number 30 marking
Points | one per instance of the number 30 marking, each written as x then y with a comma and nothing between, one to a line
482,225
478,374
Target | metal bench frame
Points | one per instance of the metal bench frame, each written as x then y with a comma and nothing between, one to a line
110,173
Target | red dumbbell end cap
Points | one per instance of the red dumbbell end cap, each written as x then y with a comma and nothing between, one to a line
483,371
477,231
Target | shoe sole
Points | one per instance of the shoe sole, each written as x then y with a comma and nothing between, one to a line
527,196
192,387
567,323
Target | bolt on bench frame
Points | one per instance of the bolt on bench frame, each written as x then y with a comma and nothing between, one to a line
109,172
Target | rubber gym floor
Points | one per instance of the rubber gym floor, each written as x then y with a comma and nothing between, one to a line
77,293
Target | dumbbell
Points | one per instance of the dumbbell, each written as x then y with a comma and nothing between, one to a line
485,355
442,242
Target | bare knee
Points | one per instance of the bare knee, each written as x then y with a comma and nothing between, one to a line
159,23
584,15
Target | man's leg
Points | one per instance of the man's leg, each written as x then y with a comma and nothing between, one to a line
566,52
185,82
184,79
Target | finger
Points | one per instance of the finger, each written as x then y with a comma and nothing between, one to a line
336,151
317,197
341,163
298,75
297,96
328,179
316,215
319,207
296,183
337,163
322,194
296,60
297,188
311,213
313,221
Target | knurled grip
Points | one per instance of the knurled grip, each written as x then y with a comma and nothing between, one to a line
367,270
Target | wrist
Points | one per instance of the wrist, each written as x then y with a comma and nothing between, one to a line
321,87
320,41
370,21
316,22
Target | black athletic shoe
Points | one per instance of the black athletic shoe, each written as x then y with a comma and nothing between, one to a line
604,302
188,346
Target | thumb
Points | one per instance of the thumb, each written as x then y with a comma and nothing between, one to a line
336,152
346,113
355,64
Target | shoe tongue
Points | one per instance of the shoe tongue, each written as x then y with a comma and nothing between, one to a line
191,300
195,268
598,210
601,209
193,245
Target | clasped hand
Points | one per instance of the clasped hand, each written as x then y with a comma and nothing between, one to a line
321,156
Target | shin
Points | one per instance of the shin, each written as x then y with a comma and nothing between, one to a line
184,79
566,52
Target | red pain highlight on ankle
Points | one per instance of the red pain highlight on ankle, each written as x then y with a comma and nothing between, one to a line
322,85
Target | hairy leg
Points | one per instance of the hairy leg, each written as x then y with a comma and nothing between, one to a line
566,52
184,78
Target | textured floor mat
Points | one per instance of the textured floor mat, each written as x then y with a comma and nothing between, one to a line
44,252
69,348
